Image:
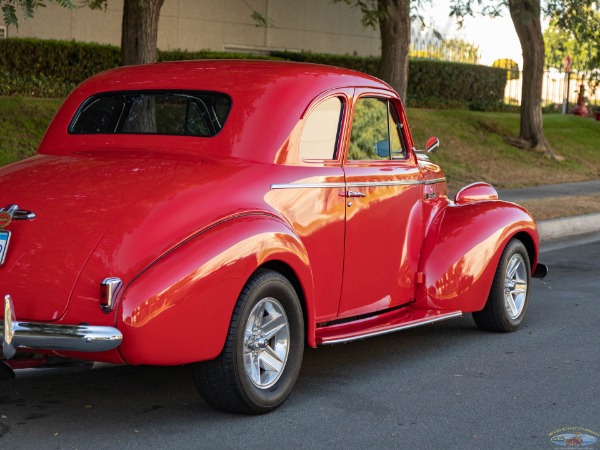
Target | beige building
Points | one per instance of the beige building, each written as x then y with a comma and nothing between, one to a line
222,25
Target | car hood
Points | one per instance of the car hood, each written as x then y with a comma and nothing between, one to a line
76,200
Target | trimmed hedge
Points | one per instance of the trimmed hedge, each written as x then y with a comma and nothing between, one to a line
180,55
68,61
432,81
49,68
366,64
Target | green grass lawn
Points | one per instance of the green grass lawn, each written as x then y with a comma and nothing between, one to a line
473,144
473,147
23,122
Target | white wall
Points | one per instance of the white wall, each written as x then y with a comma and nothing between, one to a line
309,25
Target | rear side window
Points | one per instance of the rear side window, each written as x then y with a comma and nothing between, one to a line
321,131
173,113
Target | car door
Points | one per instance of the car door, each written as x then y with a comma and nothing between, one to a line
383,208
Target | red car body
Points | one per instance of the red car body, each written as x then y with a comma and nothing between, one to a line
369,246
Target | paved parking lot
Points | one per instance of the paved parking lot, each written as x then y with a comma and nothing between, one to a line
447,385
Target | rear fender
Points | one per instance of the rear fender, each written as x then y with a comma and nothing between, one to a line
178,310
462,249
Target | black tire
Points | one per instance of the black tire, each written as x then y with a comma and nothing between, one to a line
509,297
226,383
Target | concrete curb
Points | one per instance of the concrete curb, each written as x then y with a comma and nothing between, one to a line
568,226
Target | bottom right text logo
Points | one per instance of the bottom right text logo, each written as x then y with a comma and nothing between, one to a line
574,437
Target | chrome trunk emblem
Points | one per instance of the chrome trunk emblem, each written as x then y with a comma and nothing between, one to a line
7,215
12,212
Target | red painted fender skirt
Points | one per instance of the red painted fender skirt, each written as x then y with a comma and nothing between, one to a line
462,249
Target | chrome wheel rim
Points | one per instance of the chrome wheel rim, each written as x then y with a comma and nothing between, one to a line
515,286
266,343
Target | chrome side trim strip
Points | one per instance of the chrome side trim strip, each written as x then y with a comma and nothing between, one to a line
79,338
393,329
385,183
435,181
357,184
308,185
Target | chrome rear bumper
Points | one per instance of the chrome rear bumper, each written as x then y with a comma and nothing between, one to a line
43,336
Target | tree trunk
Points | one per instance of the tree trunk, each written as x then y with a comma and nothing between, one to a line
139,32
525,15
394,25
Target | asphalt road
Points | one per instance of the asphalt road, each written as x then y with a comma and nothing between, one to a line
447,385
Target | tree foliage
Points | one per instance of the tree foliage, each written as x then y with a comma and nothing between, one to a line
567,35
10,8
394,20
526,16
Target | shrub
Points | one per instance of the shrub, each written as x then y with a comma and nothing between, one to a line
366,64
52,68
68,61
431,83
181,55
470,84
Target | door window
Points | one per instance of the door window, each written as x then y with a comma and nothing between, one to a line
376,131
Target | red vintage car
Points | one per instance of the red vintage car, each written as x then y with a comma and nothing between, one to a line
224,214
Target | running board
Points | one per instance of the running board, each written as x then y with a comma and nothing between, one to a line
384,323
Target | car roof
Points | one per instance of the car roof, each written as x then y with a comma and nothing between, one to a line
232,75
268,99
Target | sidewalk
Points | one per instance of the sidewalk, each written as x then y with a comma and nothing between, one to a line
566,226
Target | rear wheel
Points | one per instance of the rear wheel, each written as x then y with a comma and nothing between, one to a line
261,359
509,297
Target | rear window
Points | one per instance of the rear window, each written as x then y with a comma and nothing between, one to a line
173,113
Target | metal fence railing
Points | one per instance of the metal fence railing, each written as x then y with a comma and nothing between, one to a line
560,90
456,50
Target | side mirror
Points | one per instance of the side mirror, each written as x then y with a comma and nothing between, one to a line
382,148
432,144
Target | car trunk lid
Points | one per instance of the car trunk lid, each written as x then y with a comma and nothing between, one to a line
75,200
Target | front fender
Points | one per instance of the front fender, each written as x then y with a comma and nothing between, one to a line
178,310
462,250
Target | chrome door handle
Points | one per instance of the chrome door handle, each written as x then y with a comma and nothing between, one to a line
351,194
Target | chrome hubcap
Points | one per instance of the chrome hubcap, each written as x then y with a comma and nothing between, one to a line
266,343
515,286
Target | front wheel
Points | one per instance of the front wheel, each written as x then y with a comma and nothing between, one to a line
261,359
509,297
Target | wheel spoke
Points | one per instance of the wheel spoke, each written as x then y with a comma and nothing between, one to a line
269,358
513,266
510,302
275,323
257,319
252,362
